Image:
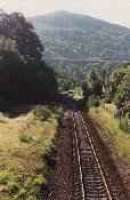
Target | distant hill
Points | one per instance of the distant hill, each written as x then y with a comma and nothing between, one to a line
74,44
74,36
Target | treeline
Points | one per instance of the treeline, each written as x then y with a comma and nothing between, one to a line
24,76
109,87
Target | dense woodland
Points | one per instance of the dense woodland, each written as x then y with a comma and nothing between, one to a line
110,87
24,76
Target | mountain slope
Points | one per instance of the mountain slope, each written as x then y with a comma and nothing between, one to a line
73,36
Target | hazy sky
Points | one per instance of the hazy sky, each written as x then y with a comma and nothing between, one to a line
116,11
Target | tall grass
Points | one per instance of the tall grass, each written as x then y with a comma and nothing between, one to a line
111,132
124,123
23,143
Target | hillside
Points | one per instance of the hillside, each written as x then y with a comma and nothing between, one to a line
73,36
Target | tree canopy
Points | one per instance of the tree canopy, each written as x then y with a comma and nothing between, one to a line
121,85
16,27
24,77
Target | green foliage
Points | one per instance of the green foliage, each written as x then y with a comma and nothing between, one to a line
119,93
27,43
113,87
30,188
121,85
24,77
96,102
10,182
111,132
42,113
93,88
26,138
25,82
124,125
96,83
27,142
73,36
75,44
4,177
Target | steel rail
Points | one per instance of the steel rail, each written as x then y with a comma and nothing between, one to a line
77,117
97,160
79,159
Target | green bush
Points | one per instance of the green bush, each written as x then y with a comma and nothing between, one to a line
4,177
30,188
26,138
42,113
124,123
95,101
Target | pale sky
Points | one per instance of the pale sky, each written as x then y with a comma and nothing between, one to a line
115,11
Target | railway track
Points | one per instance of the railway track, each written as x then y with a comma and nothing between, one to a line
89,178
80,173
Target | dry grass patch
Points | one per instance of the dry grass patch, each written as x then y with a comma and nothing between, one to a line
119,139
23,143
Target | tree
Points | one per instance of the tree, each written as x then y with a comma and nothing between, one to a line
16,27
87,91
121,85
24,77
96,83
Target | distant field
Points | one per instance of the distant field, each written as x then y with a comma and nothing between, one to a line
24,141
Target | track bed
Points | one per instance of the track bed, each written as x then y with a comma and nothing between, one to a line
80,172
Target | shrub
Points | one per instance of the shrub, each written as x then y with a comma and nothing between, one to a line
4,177
96,102
42,113
26,138
124,123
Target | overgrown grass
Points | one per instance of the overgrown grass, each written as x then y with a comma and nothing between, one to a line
124,123
23,143
118,139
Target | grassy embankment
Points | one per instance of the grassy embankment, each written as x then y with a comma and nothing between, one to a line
113,135
24,141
